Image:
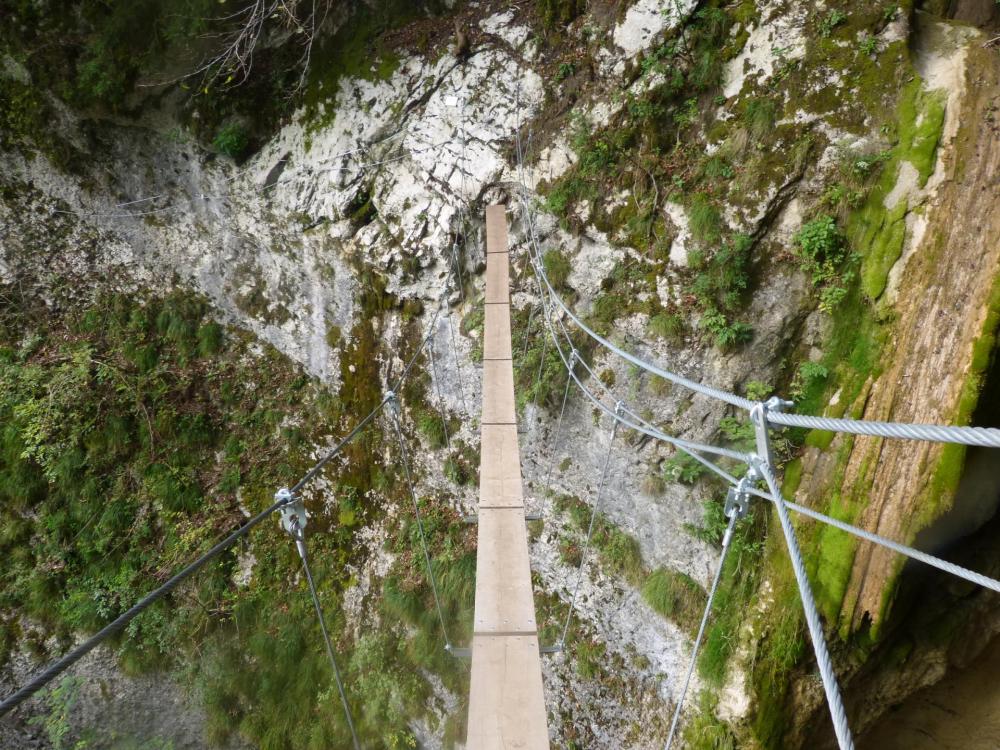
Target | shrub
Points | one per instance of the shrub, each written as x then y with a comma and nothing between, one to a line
566,70
669,326
757,390
727,335
808,374
723,280
231,140
433,428
557,267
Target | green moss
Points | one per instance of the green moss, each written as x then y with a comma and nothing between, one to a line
876,231
792,478
951,463
357,50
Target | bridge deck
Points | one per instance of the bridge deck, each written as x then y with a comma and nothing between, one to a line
506,703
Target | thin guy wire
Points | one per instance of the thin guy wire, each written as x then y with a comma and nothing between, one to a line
527,333
458,365
639,424
727,540
557,443
437,381
420,526
329,648
590,532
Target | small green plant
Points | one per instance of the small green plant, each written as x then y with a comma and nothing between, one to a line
566,70
430,424
868,45
831,21
727,334
231,140
808,374
682,468
713,522
757,390
821,249
705,219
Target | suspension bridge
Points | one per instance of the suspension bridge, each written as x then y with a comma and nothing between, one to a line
506,701
506,704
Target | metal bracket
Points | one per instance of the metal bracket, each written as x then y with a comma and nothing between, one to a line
293,517
458,652
553,649
737,503
391,401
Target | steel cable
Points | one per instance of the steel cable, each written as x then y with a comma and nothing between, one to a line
727,540
329,646
595,509
834,701
420,523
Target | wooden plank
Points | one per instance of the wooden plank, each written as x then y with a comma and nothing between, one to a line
504,602
497,278
496,229
506,701
498,392
496,332
500,467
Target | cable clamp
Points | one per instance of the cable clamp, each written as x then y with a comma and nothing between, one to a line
759,411
619,408
574,357
293,518
392,402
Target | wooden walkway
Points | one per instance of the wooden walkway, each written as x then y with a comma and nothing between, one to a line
506,703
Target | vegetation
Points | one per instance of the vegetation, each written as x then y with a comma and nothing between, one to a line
231,140
675,596
129,428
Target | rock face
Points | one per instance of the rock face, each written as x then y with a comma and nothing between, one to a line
391,179
114,710
949,247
